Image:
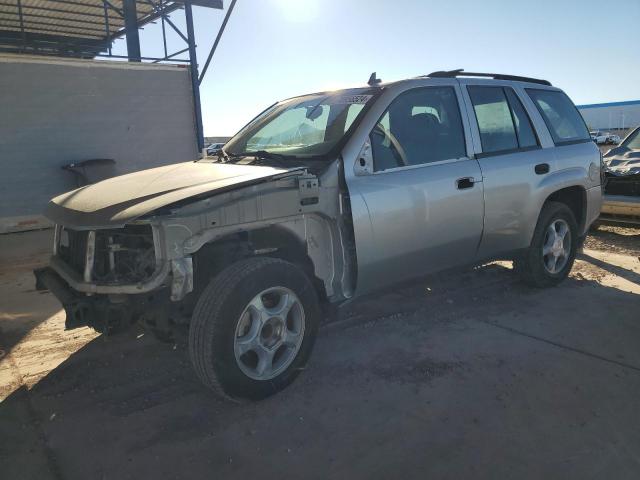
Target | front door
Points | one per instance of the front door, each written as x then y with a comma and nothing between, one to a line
421,208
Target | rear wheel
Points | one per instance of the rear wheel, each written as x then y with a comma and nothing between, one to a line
253,328
553,248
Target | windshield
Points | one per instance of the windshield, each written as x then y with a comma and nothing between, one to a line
306,126
633,141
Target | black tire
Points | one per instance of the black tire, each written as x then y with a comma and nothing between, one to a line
216,316
530,264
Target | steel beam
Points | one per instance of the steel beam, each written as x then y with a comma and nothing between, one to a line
51,46
195,85
107,27
21,17
114,8
61,31
171,55
25,24
215,43
131,28
160,11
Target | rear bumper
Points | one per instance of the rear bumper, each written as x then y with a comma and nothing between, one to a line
621,208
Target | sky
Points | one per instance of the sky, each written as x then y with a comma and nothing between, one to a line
275,49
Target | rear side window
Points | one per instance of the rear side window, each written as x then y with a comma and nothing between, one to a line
502,120
561,116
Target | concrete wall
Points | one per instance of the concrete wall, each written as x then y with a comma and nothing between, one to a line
56,111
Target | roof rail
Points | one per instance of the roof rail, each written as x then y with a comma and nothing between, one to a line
498,76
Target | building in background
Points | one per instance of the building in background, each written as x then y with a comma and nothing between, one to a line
615,117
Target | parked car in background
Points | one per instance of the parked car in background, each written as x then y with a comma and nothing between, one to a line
213,148
323,198
622,184
614,139
604,138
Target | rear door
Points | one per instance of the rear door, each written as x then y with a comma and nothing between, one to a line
514,157
420,207
577,158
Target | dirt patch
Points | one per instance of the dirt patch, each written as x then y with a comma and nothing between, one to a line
624,240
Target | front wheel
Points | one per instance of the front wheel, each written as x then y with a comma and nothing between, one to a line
253,328
553,248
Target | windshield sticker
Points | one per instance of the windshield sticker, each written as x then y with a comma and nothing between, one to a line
350,99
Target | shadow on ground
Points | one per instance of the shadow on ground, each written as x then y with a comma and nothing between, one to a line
457,376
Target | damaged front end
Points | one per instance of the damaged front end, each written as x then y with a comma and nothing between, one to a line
622,189
141,247
110,278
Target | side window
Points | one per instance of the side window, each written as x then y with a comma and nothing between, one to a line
561,116
502,120
497,132
420,126
524,130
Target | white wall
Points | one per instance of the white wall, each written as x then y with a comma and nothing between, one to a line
611,117
57,111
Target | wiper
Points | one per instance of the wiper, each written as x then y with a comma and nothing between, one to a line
222,155
258,155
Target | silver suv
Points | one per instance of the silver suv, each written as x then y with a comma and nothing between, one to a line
322,198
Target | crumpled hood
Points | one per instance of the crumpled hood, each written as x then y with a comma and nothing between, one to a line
119,200
627,163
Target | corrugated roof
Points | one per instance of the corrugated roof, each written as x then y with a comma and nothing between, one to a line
87,26
68,18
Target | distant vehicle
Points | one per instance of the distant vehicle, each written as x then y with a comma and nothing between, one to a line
323,198
214,147
622,187
604,138
614,139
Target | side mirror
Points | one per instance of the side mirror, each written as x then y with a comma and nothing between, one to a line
364,161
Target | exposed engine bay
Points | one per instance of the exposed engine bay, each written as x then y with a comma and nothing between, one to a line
123,255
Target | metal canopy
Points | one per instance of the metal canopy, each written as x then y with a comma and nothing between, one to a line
87,29
80,28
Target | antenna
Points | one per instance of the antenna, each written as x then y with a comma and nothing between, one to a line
373,80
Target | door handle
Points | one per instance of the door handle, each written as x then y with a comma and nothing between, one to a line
542,168
465,182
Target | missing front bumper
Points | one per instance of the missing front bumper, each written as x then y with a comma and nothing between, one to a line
97,311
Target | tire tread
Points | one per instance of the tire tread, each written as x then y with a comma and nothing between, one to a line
209,305
526,265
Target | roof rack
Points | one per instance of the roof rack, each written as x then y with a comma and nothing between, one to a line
498,76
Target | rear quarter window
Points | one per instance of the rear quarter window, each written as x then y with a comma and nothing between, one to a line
562,118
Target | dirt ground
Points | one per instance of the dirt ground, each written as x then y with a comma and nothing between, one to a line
461,375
